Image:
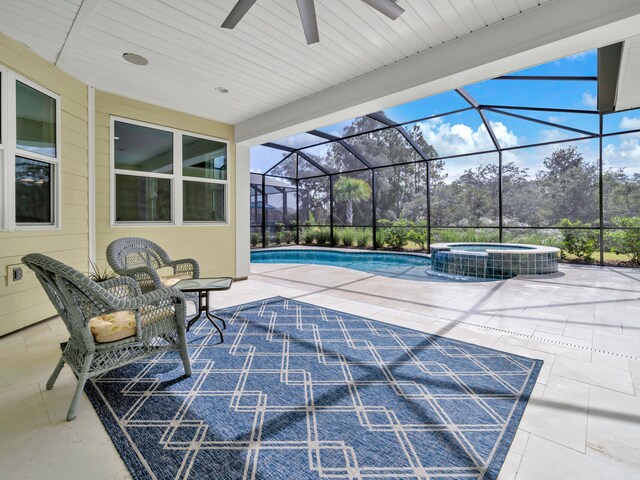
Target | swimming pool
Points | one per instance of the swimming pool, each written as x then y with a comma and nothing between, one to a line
395,265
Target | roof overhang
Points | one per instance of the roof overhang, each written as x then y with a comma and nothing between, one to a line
554,30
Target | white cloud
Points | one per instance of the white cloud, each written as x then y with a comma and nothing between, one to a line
630,148
589,100
459,138
552,135
505,137
609,151
628,123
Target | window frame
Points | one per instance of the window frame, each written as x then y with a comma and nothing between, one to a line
176,178
9,151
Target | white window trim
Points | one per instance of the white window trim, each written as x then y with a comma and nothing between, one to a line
9,151
176,178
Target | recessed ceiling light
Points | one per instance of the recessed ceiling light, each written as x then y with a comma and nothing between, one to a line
222,90
135,59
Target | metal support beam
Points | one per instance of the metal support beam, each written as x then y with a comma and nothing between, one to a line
541,122
264,212
331,240
314,163
472,101
374,213
608,72
345,144
387,121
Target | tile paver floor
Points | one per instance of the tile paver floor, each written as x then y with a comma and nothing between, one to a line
583,420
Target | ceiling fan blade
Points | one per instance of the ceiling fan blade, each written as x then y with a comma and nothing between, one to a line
237,13
387,7
307,11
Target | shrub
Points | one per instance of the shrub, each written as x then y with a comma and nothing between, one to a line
308,235
279,237
287,236
323,235
255,239
419,235
581,243
397,236
627,242
363,237
347,236
381,232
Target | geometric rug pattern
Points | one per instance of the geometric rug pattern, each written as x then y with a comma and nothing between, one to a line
297,391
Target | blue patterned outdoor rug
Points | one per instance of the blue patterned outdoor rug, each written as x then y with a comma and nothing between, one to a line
303,392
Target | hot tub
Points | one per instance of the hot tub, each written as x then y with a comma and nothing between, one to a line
493,260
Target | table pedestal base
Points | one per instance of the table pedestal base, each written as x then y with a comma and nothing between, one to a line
203,307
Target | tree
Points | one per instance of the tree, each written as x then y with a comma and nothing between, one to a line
569,187
350,190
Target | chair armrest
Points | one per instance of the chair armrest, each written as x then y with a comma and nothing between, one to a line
146,276
122,287
185,265
154,297
151,311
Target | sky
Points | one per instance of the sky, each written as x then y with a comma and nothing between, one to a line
465,133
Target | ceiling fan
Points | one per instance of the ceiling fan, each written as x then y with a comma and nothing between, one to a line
307,11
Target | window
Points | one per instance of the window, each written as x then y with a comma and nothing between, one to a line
29,155
166,176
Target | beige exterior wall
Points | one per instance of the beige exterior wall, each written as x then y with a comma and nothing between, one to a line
213,246
25,302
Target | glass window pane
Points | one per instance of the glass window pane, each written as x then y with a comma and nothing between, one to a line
203,202
142,149
35,121
33,191
142,199
204,158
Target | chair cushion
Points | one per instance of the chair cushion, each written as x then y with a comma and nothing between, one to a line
110,327
171,280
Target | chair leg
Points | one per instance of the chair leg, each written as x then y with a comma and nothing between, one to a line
184,353
82,379
54,375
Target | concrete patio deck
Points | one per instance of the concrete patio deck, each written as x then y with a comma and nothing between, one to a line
582,422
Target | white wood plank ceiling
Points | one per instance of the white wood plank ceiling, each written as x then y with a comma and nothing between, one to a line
264,61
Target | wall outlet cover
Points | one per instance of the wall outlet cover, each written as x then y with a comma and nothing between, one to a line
15,273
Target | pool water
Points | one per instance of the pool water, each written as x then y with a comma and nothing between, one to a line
404,266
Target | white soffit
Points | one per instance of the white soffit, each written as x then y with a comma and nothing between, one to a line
557,29
628,91
264,61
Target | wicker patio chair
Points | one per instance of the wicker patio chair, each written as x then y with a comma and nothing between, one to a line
110,323
140,259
